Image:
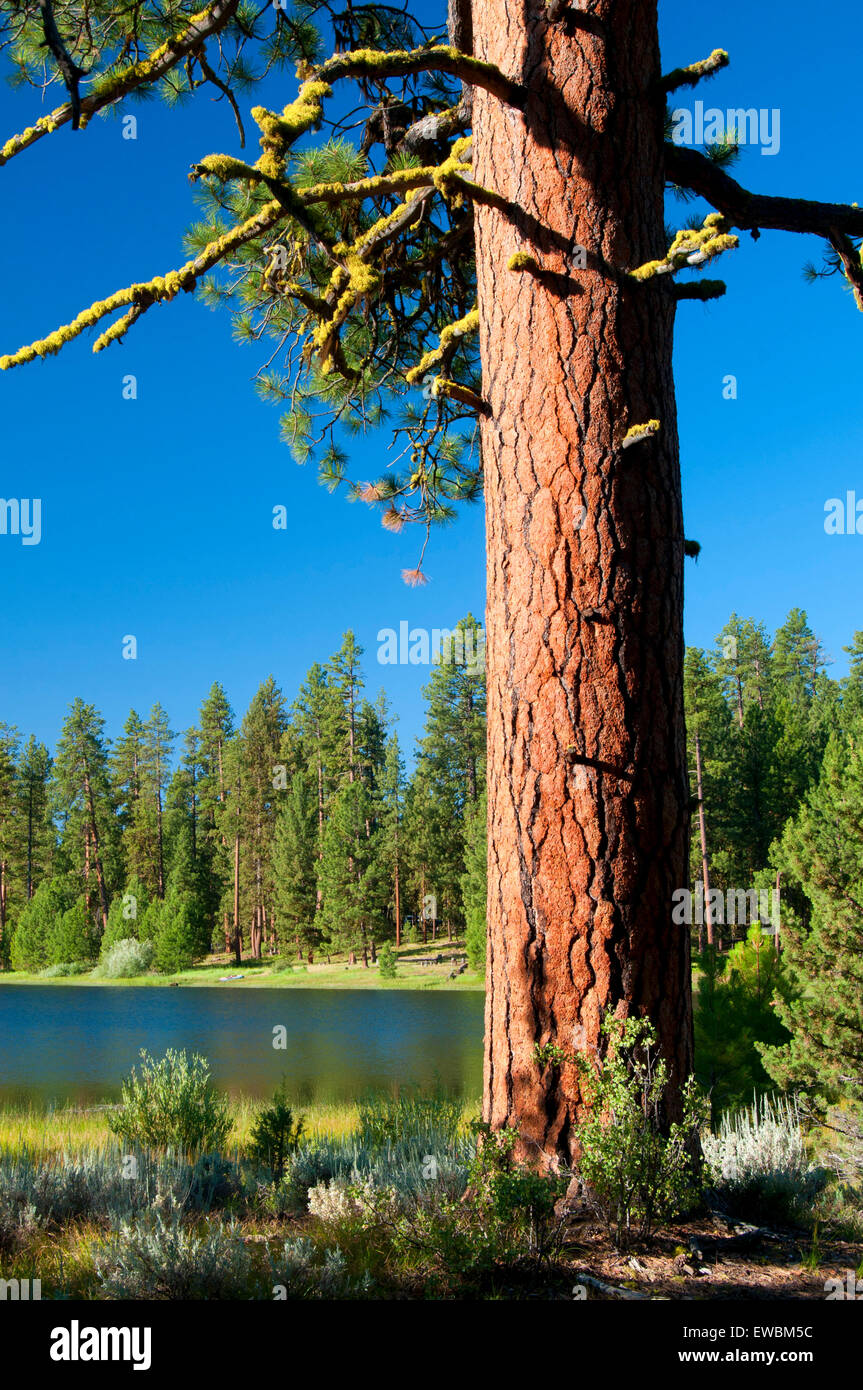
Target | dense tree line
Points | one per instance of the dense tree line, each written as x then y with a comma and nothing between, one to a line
292,830
775,748
297,831
760,712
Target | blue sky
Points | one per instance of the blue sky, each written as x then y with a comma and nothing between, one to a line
157,512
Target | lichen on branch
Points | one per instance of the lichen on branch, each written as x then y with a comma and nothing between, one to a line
446,344
142,296
694,73
691,248
111,87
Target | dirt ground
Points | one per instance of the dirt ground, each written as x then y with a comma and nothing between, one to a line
708,1259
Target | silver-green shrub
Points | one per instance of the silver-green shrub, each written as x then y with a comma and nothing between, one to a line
172,1104
757,1160
160,1257
305,1271
125,959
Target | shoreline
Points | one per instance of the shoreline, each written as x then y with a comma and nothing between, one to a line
255,977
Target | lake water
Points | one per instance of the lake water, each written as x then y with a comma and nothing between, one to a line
76,1042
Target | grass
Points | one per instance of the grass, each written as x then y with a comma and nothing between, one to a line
46,1131
265,974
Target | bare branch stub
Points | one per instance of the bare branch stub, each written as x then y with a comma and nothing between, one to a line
69,69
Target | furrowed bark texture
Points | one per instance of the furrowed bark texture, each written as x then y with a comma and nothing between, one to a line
588,792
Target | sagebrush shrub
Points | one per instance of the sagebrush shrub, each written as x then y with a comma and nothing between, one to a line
126,959
17,1220
172,1104
757,1160
303,1271
162,1258
356,1201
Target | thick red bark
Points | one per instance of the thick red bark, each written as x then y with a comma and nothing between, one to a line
588,794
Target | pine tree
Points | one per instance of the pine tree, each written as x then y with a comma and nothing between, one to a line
393,850
262,785
797,657
474,882
127,759
158,740
345,682
852,686
294,863
822,852
348,875
708,738
313,724
453,745
8,818
735,1013
36,833
32,941
216,724
82,778
125,915
449,775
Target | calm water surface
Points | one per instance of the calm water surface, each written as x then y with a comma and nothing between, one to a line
75,1043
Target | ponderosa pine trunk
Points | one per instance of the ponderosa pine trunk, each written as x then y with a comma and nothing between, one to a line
588,793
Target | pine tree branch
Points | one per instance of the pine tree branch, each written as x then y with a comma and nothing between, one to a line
69,70
223,87
849,257
114,87
136,299
700,289
440,125
757,211
472,71
693,74
453,390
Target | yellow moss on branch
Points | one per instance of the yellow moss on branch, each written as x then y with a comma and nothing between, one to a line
279,133
373,62
694,73
376,186
225,167
445,176
691,247
453,390
46,125
638,433
453,331
351,281
140,297
110,87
